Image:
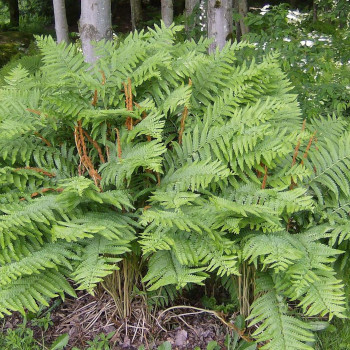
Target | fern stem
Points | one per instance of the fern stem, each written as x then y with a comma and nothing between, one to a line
308,147
95,144
118,144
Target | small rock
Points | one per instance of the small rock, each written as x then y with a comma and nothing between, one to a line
126,342
180,338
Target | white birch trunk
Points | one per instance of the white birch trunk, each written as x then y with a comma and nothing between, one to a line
136,13
219,22
189,7
61,25
167,12
95,24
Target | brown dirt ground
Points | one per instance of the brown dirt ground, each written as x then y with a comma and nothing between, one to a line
87,316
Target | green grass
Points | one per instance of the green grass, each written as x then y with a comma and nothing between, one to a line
335,337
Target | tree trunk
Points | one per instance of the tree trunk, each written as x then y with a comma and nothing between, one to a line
190,21
14,12
136,13
243,10
95,24
167,12
237,22
61,25
219,22
314,11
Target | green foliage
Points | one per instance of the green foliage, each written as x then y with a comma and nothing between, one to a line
20,338
195,163
313,54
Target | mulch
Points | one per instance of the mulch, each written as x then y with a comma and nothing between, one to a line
88,316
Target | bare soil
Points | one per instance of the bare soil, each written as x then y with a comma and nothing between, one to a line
87,316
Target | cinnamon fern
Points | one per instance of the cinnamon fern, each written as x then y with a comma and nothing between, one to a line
200,163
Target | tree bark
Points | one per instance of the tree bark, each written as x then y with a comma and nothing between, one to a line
189,7
14,12
136,13
61,25
243,10
314,11
219,22
167,12
237,22
95,24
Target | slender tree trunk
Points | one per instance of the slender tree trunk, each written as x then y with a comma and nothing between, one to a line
189,7
237,22
61,25
14,12
95,24
243,10
314,11
136,13
167,12
219,22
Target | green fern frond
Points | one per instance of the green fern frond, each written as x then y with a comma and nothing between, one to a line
34,260
275,324
165,269
99,259
27,292
110,225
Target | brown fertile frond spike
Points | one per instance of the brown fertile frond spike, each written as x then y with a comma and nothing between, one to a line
77,140
182,125
82,140
103,77
51,189
48,143
95,144
94,99
107,152
130,95
292,185
38,170
85,160
304,124
44,190
308,147
258,172
34,111
296,150
126,95
128,103
158,178
263,185
118,144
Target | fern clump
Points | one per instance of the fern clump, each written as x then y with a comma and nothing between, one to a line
200,163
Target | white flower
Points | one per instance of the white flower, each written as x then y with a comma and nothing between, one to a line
308,43
265,9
